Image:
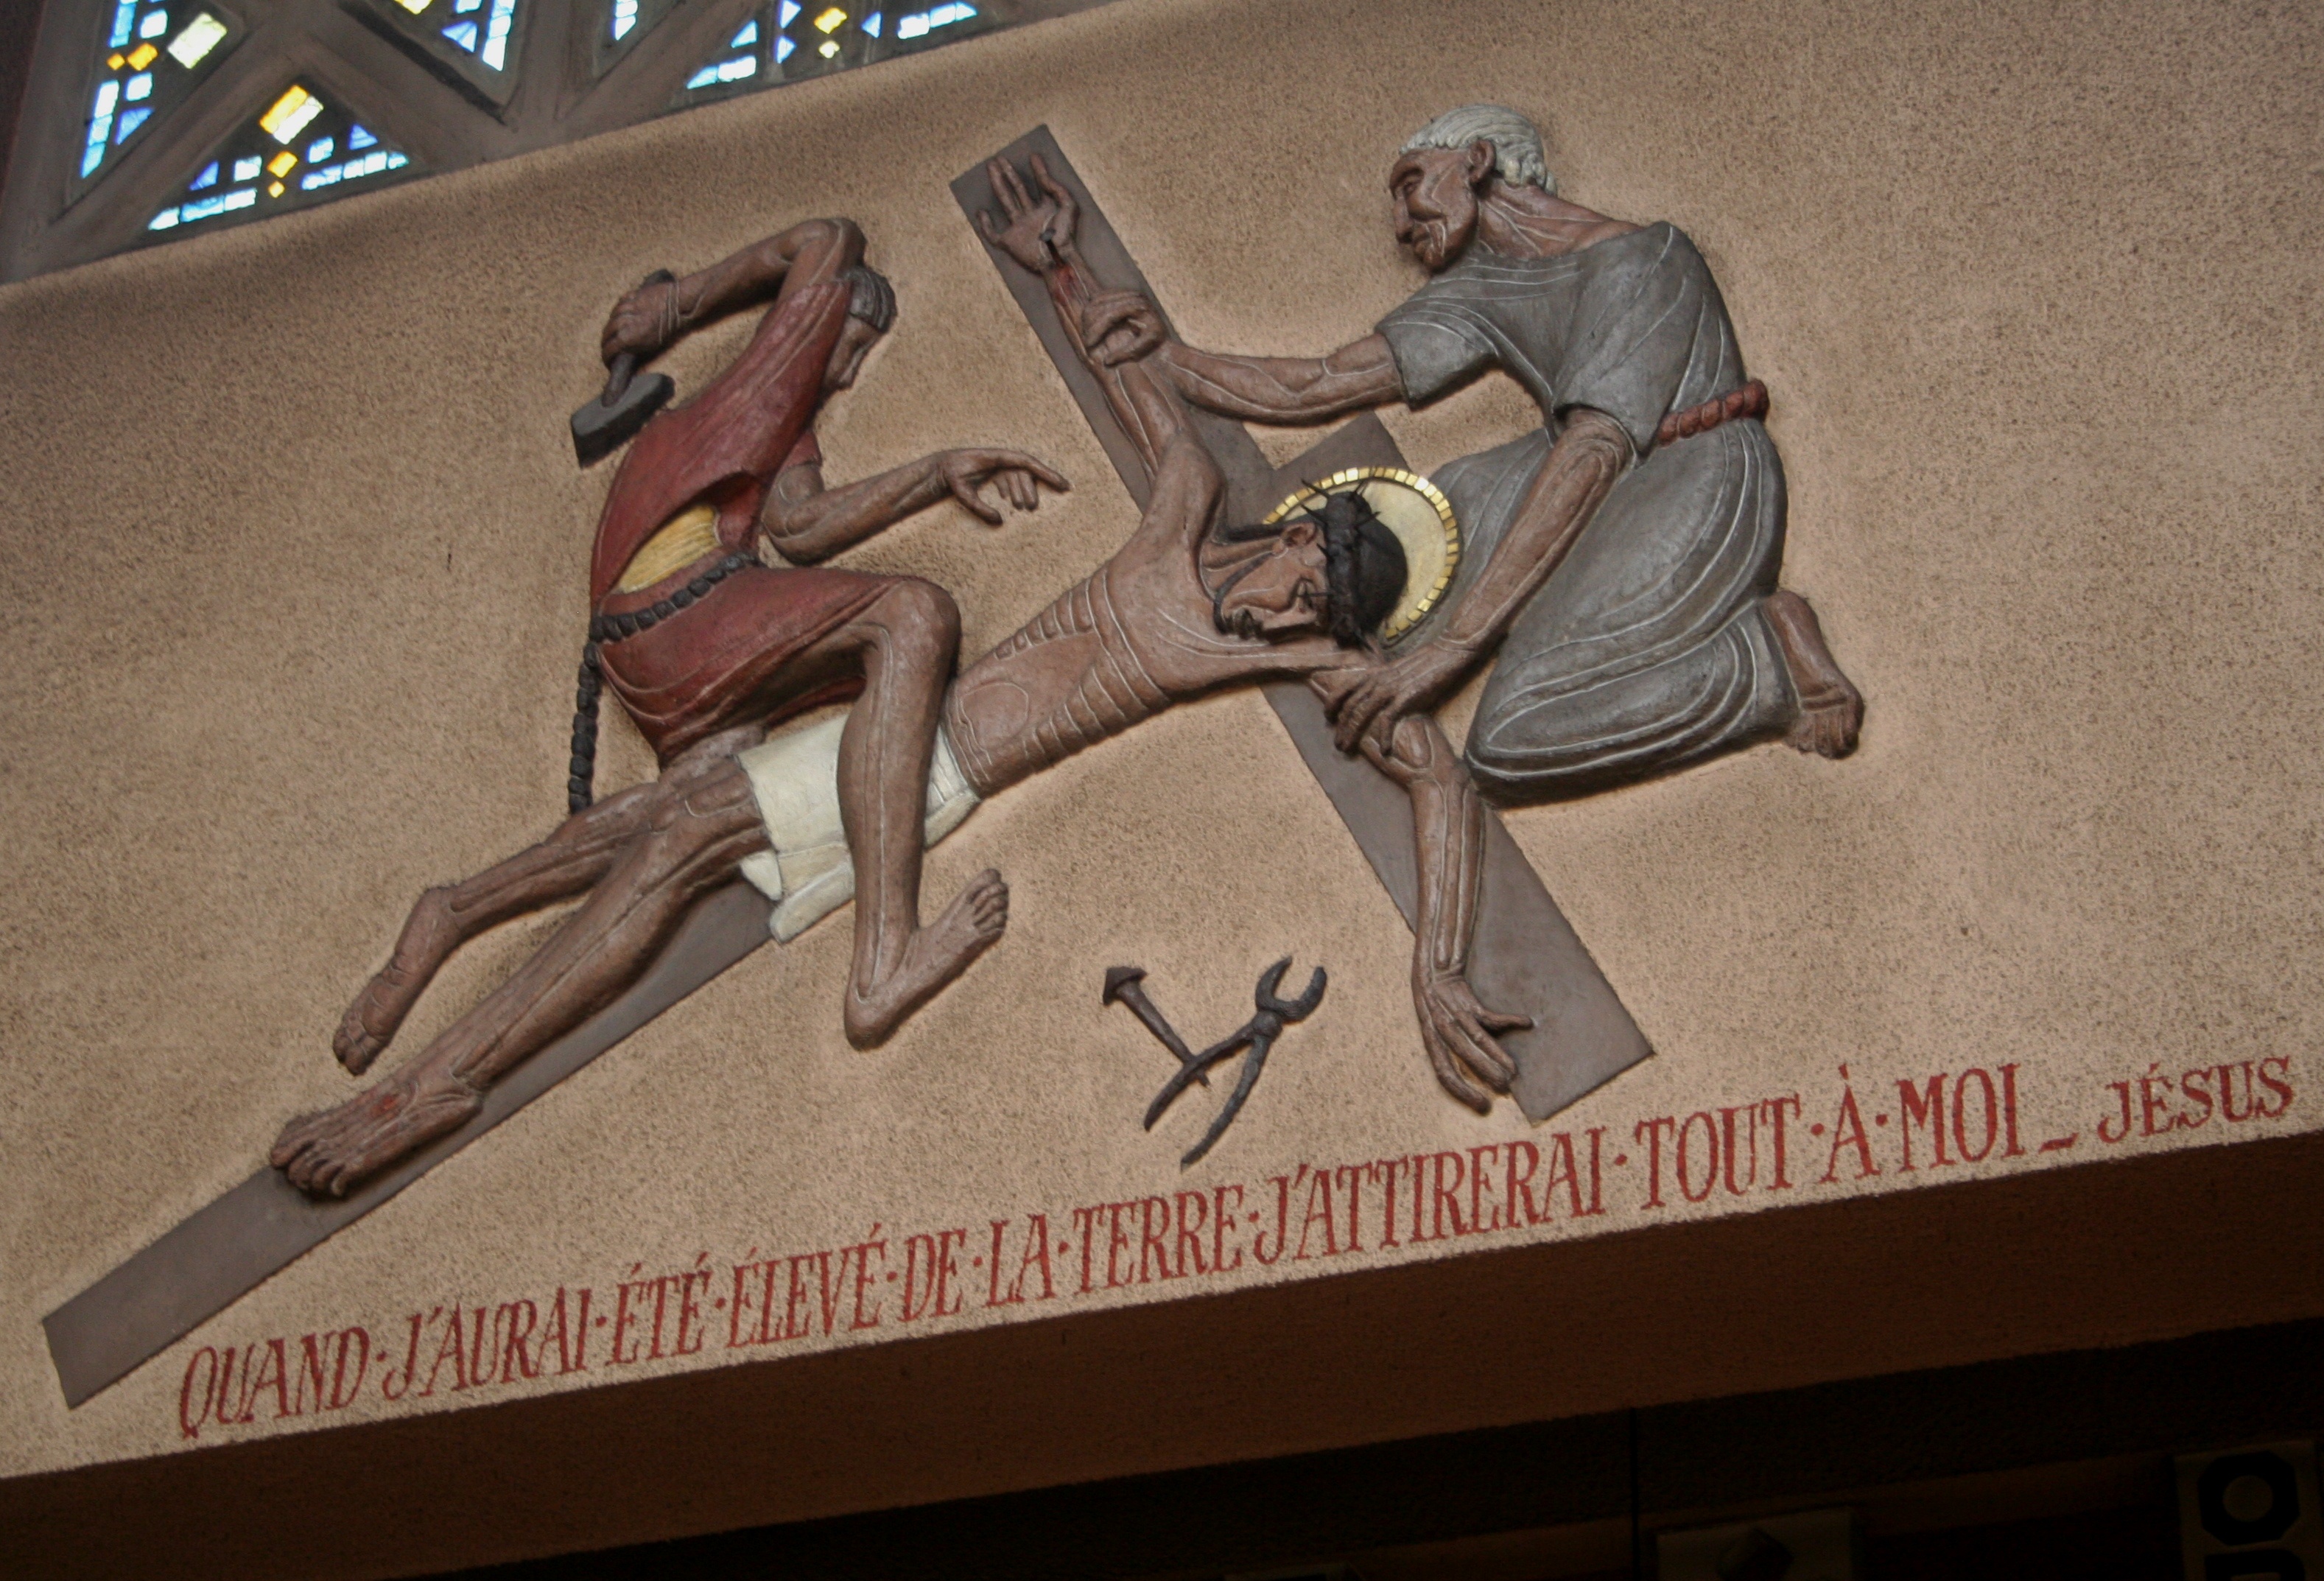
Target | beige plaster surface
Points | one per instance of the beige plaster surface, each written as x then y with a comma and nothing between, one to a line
294,590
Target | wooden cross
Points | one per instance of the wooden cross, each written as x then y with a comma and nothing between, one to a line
1526,958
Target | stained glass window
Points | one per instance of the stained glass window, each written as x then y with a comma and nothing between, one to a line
149,57
471,42
137,88
622,24
302,149
787,40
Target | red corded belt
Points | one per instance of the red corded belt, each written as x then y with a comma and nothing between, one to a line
1751,401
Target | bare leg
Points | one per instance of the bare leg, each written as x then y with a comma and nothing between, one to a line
701,823
1831,710
908,642
580,853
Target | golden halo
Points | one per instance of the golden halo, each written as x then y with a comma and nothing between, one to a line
1416,510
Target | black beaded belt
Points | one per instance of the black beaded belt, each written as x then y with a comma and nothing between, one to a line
581,769
613,628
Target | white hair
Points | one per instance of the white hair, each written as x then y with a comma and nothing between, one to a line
1517,154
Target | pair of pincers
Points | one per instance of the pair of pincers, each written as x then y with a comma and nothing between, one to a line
1254,1039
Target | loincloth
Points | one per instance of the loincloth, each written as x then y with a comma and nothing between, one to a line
795,779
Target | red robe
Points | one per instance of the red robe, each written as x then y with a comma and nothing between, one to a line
722,661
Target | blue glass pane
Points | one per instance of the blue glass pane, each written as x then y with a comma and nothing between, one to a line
783,47
208,178
131,120
625,17
704,78
787,14
321,149
748,36
123,15
360,137
464,6
496,34
155,24
138,86
246,170
463,33
871,24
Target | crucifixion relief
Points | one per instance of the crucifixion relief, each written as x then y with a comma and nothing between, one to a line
1616,566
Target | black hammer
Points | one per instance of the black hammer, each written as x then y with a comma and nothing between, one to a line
610,421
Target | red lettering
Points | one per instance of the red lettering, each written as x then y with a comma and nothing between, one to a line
1650,1132
1925,1109
1988,1103
190,1420
1319,1211
1154,1241
1711,1165
1223,1219
1193,1213
1512,1182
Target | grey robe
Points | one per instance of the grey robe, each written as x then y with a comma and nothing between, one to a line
1647,648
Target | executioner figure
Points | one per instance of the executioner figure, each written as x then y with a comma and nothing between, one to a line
706,647
1622,559
1187,607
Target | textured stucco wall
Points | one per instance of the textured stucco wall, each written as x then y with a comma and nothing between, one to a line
293,591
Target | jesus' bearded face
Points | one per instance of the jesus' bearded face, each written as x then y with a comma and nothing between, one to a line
1435,191
1283,592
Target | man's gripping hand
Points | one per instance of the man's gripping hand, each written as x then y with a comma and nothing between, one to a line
1367,703
1121,326
1018,477
645,323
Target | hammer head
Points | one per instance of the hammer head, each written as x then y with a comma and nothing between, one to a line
604,425
1117,978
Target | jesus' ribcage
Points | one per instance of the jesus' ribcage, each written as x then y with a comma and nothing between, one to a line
1068,677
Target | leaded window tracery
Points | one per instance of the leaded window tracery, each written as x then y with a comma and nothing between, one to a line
143,116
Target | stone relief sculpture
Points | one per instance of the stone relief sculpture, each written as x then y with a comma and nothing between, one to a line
1621,566
1181,610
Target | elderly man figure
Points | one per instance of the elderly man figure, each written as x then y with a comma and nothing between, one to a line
1622,559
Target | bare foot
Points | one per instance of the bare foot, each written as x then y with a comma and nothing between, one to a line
1831,710
326,1153
371,1022
937,954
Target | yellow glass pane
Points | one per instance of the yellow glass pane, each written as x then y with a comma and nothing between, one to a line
274,189
290,114
414,6
831,19
280,165
197,40
142,56
116,61
830,49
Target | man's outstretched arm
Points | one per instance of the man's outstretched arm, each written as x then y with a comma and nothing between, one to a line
1286,390
805,522
1448,818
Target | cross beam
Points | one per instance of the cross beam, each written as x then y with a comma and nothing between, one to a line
1526,958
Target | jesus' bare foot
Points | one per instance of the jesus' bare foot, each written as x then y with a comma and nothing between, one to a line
429,937
326,1153
1831,710
937,954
